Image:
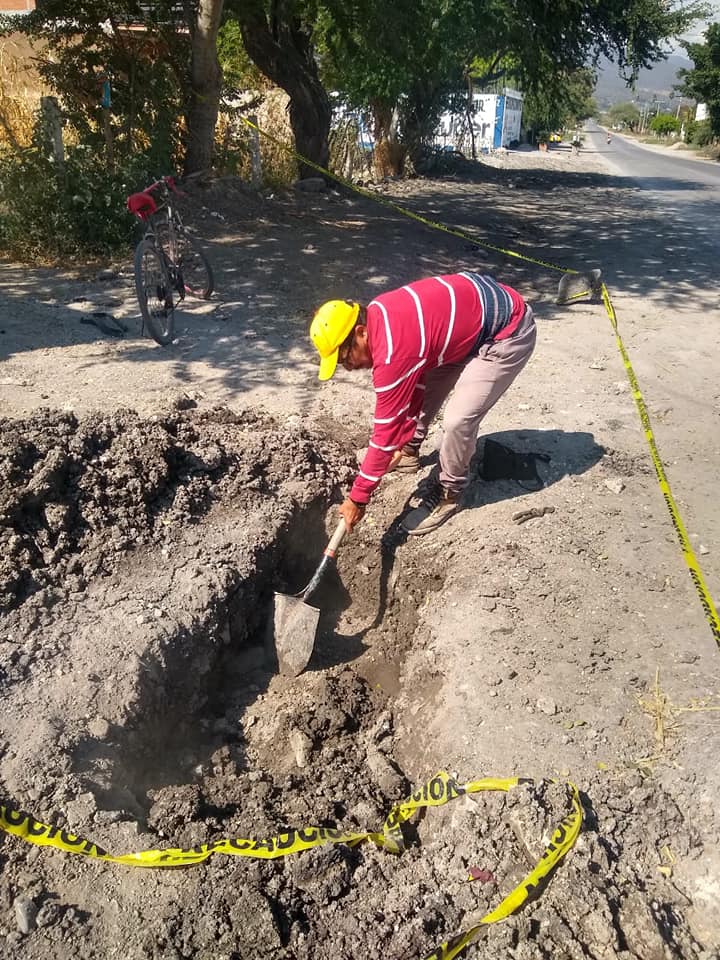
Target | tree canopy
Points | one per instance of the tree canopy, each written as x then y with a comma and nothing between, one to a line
664,124
159,59
703,81
624,114
414,58
402,63
565,101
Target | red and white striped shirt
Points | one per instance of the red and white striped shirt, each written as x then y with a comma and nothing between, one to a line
413,330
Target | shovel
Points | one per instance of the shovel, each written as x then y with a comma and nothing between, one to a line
294,621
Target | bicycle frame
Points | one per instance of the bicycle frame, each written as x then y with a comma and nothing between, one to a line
165,220
160,216
167,244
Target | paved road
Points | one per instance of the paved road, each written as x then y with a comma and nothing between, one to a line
686,189
656,167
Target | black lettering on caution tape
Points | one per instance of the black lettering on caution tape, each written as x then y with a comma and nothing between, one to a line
437,791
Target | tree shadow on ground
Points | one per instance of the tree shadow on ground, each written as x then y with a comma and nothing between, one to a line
273,270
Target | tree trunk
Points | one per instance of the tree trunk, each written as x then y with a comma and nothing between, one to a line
470,117
205,86
389,154
419,120
281,47
310,116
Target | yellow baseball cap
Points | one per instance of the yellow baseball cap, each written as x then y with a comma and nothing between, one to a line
330,326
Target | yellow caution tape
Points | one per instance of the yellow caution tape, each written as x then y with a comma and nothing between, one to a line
687,550
562,840
436,792
403,210
691,561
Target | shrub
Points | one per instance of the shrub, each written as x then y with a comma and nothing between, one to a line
664,124
51,213
699,133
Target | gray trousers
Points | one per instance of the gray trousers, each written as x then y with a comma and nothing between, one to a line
479,383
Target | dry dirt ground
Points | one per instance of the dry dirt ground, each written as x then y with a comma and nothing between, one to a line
153,498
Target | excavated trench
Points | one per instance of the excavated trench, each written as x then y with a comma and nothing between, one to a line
138,564
213,670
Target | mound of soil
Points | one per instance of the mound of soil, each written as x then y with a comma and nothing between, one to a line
140,711
75,495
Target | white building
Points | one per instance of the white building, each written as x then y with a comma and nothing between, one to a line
496,121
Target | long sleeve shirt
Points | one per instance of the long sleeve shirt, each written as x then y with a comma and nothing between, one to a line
412,330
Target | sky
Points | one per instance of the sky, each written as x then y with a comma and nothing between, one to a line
696,34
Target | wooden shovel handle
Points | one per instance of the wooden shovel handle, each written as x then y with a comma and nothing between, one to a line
336,539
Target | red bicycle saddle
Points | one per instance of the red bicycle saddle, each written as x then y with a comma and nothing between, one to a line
142,205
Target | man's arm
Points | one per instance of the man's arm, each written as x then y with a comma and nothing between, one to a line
398,400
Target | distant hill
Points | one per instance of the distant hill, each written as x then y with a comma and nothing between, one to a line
651,84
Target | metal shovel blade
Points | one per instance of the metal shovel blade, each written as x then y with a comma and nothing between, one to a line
293,633
294,622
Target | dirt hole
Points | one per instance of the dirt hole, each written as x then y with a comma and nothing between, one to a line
137,563
196,704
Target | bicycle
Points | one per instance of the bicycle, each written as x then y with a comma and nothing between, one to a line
168,264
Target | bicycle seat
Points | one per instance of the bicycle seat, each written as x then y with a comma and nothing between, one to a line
142,205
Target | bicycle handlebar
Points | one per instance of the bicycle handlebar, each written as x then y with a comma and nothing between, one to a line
171,182
167,182
143,204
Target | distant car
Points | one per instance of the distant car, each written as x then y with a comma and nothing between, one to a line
555,138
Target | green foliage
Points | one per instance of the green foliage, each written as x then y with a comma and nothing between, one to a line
145,52
416,56
703,81
402,63
49,213
664,124
541,39
563,100
699,133
84,42
624,114
239,72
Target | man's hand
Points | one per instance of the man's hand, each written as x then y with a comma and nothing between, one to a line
352,513
394,460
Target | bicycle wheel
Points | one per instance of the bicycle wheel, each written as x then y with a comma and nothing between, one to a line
194,268
154,292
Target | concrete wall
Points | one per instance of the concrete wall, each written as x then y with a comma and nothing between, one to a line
496,122
512,117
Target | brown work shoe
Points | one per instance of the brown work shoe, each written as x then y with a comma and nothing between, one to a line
407,462
438,505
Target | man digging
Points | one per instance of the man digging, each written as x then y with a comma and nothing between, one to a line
461,331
